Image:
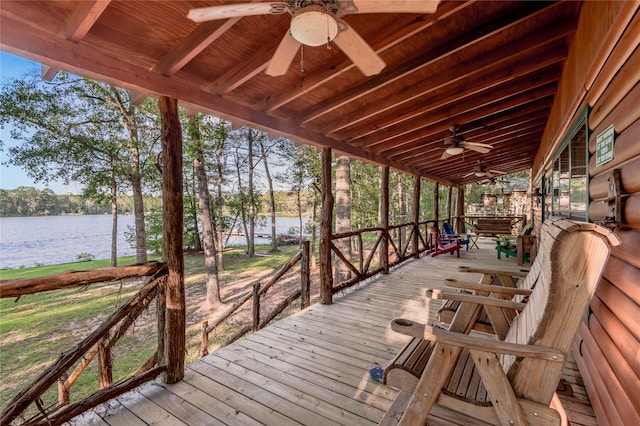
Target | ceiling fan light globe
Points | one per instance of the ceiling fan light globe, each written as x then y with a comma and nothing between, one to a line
480,174
454,150
314,27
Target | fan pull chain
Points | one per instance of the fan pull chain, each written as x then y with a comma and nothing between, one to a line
328,37
302,58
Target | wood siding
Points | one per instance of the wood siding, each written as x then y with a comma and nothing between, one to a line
602,73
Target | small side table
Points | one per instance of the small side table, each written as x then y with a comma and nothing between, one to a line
473,241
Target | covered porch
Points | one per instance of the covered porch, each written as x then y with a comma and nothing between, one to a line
312,368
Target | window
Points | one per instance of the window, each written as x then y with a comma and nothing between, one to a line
568,184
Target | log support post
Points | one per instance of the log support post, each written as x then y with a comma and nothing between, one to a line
460,228
416,216
449,202
436,202
384,218
326,222
305,277
172,251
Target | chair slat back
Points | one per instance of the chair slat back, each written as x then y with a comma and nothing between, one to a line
564,278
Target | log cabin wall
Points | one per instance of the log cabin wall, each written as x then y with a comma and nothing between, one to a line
602,78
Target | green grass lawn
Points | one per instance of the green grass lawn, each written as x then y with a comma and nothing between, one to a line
36,329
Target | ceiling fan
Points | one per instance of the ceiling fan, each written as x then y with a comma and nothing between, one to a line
457,144
482,171
316,22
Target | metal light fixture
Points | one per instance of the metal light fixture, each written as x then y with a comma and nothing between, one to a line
313,26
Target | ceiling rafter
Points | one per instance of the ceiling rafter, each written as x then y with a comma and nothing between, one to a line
77,26
481,64
495,81
487,103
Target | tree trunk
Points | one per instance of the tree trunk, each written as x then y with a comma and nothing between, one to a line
197,243
272,200
220,205
138,211
114,219
252,206
314,232
343,215
210,256
242,207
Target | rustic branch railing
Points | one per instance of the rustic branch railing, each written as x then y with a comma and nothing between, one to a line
100,343
399,237
254,297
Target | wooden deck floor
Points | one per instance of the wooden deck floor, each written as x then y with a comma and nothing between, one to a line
312,368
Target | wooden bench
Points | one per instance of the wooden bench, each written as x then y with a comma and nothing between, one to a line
493,227
462,374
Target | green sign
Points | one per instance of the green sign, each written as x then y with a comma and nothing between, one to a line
604,146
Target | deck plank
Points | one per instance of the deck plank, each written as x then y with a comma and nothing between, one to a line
311,368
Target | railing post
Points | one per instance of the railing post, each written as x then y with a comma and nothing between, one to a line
326,223
305,277
63,392
256,307
384,218
416,215
204,343
105,364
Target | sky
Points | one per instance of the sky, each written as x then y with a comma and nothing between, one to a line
11,177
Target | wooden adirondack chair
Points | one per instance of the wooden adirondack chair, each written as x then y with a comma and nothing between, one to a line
439,246
470,379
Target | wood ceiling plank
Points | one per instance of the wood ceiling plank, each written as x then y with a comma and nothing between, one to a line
495,28
493,80
333,71
192,45
394,139
529,46
77,26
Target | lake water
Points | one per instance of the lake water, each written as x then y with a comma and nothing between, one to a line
47,240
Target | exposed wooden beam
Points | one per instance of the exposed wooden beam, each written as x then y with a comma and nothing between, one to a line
77,26
40,46
191,46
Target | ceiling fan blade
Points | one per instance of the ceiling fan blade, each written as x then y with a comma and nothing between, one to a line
283,56
484,145
498,172
394,6
480,149
360,53
469,174
202,14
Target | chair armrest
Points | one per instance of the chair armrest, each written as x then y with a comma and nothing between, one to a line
488,288
521,273
439,335
472,298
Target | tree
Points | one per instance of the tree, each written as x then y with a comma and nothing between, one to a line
196,146
76,129
343,215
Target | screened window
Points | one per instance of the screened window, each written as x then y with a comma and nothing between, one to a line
569,176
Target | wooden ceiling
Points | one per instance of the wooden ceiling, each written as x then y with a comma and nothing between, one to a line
491,67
